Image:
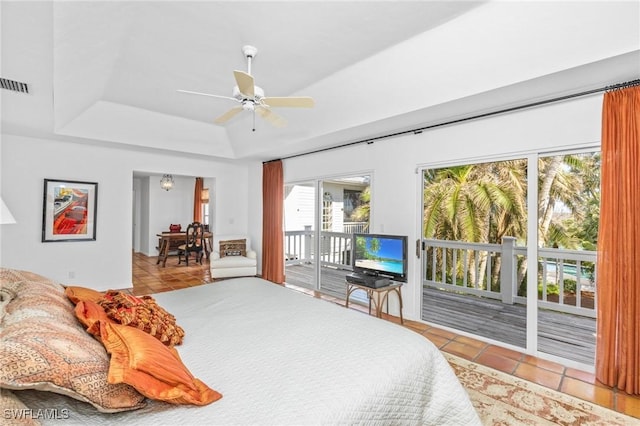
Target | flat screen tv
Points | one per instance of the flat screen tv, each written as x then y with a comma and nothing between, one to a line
380,255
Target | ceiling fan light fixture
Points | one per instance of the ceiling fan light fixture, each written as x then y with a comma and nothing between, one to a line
251,97
249,51
166,182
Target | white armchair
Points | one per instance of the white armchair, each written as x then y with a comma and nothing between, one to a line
231,263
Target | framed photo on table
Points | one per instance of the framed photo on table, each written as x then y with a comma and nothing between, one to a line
69,210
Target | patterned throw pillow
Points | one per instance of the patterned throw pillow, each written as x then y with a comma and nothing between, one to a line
233,248
44,347
142,313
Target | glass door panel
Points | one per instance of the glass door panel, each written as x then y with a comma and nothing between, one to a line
569,204
344,207
473,259
299,231
320,219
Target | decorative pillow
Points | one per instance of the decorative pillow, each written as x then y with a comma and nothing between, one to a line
15,412
143,313
233,248
175,228
76,294
154,369
90,314
43,347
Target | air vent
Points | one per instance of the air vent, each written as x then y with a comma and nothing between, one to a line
16,86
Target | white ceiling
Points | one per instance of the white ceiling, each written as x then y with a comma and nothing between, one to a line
107,72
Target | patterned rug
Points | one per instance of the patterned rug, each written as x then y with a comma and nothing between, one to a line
501,399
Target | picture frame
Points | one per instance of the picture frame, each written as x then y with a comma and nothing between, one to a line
69,210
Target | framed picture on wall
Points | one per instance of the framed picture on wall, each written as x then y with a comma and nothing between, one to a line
69,210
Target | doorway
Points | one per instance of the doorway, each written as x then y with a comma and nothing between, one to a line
320,219
508,251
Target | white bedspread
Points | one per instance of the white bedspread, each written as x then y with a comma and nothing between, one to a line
281,357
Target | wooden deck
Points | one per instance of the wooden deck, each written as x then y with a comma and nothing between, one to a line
564,335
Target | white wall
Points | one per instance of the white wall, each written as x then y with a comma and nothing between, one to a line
396,183
106,262
255,210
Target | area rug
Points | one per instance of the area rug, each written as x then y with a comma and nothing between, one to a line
501,399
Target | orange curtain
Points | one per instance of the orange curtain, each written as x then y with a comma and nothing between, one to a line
272,222
618,285
197,200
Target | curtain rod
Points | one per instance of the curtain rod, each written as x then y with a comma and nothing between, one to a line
419,130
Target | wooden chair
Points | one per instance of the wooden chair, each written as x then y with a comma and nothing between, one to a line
194,243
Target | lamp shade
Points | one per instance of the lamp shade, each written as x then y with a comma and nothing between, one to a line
5,215
204,195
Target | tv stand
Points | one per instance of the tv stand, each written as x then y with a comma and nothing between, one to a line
377,294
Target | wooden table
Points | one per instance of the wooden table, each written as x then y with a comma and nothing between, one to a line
378,295
167,237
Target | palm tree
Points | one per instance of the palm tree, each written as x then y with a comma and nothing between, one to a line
475,203
485,202
568,181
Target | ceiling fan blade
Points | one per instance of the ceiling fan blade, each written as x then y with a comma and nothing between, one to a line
271,116
245,83
207,94
294,102
228,115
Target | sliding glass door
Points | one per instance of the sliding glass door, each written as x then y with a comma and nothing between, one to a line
320,219
569,206
509,251
300,234
474,225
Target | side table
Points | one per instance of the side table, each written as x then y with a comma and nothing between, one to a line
381,295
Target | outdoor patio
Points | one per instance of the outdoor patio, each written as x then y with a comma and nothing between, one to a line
561,334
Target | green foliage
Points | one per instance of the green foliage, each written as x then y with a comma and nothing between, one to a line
569,287
486,201
362,212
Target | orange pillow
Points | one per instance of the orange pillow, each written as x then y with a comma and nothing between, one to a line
90,314
77,294
155,370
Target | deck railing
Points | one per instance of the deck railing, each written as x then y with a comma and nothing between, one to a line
335,248
566,278
351,227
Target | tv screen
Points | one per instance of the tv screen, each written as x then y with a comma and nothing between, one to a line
380,255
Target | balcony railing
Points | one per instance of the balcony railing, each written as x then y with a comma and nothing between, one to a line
335,248
566,278
351,227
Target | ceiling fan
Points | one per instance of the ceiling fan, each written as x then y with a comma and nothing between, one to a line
252,98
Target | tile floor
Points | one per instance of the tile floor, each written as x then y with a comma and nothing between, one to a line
151,278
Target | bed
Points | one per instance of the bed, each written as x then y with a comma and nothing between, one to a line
281,357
